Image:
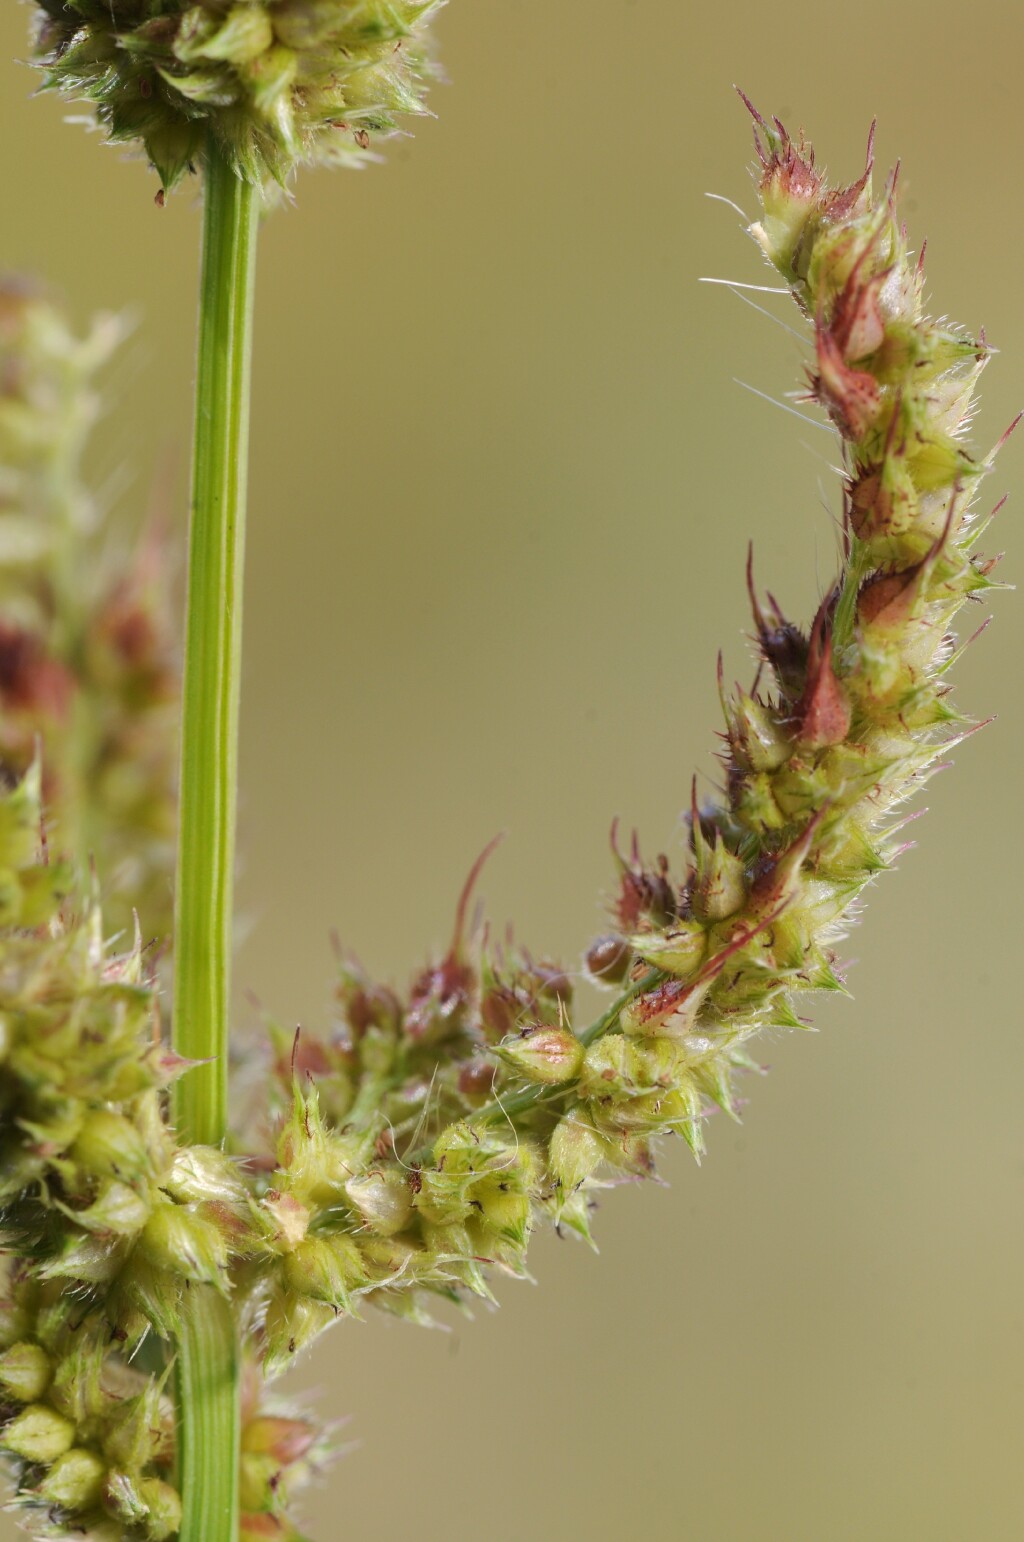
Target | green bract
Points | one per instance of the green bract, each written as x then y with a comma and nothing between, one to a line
276,82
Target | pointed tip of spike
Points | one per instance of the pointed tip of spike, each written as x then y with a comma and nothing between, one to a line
1005,435
748,104
462,908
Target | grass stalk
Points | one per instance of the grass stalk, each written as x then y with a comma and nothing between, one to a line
208,1355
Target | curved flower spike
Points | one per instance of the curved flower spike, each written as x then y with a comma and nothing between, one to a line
415,1173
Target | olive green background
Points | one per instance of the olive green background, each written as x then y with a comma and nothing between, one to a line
502,486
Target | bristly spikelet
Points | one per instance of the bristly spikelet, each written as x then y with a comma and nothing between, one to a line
278,83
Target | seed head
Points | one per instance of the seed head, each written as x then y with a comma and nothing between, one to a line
76,1480
274,83
25,1371
541,1054
38,1434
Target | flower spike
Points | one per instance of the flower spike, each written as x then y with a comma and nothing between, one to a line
276,83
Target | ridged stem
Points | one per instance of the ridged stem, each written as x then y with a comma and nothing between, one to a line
208,1354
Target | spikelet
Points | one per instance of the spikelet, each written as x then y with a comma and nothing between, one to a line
277,83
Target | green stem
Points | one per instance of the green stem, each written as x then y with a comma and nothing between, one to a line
209,1419
208,1352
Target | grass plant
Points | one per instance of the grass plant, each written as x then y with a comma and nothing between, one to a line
167,1264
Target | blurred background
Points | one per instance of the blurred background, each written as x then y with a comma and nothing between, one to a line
503,479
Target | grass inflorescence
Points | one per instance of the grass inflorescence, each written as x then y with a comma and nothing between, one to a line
412,1148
